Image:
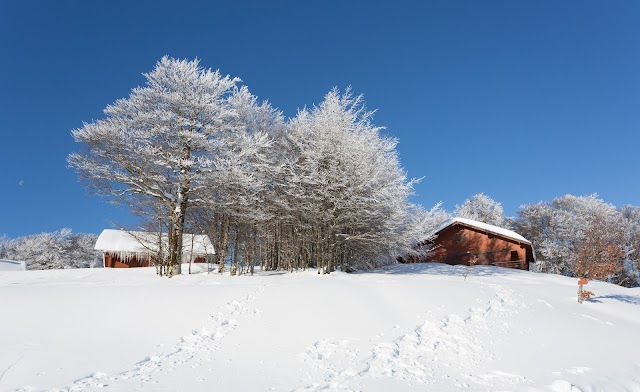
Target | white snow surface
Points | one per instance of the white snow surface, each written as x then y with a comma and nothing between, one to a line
482,226
414,327
147,243
12,265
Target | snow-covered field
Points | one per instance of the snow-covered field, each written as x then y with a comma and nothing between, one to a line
419,327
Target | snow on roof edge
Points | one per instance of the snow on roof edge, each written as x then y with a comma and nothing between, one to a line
482,226
111,240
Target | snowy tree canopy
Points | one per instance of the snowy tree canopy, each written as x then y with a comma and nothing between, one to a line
57,250
194,150
482,208
581,236
353,187
328,191
156,147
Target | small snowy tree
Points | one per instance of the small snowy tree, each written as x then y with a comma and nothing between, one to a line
423,223
580,236
158,145
481,208
601,253
80,252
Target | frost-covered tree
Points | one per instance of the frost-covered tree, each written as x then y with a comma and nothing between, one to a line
579,236
631,215
425,223
56,250
156,147
601,253
350,183
80,252
482,208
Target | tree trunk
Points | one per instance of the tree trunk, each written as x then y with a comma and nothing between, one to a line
234,263
224,242
179,213
175,248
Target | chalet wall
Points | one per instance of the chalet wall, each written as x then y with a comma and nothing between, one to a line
114,261
460,244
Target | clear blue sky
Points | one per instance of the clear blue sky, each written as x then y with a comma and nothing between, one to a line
522,100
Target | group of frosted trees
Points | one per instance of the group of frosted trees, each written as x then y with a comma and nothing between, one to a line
585,237
192,151
56,250
578,236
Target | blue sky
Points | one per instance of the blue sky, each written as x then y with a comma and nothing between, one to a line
522,100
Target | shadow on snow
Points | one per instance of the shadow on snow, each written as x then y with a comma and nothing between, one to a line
629,299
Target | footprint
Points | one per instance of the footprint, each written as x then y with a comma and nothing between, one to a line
597,320
541,301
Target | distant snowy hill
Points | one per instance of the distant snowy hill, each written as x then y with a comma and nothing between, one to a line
419,327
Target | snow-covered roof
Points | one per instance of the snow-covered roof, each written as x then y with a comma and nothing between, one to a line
141,242
12,265
483,226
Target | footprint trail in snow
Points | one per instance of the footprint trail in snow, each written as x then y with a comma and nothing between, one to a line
187,352
431,353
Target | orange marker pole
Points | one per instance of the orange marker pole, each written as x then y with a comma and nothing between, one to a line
581,282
